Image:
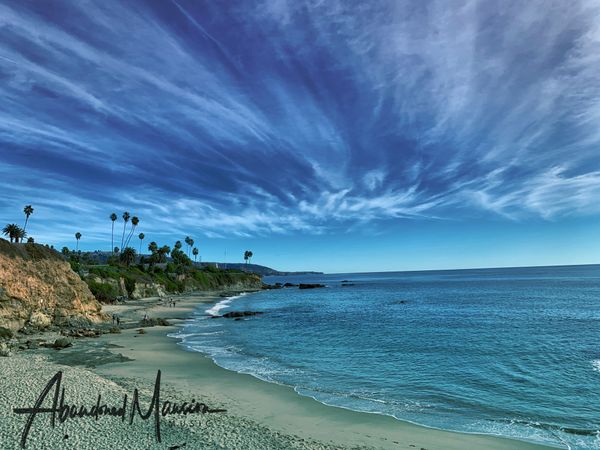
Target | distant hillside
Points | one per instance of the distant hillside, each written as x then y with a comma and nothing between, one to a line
99,257
253,268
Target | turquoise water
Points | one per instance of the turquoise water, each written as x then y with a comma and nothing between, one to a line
512,352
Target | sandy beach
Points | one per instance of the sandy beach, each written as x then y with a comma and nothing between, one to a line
259,415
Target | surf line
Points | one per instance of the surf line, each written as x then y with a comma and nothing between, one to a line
62,411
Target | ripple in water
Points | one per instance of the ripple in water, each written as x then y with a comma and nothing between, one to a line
511,352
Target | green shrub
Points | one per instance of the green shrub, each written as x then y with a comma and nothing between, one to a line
75,266
104,292
129,285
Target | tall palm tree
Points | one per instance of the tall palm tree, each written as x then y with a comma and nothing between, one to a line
126,217
187,242
190,247
195,253
113,218
28,210
141,236
246,256
77,237
134,223
13,232
178,245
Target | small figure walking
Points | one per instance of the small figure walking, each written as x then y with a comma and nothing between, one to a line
118,320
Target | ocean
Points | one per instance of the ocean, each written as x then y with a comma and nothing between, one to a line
512,352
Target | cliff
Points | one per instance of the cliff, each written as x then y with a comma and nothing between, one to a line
39,289
110,282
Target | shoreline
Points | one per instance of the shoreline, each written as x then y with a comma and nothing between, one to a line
288,419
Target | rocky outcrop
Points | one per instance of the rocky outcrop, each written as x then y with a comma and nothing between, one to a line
310,285
118,288
38,289
143,290
237,314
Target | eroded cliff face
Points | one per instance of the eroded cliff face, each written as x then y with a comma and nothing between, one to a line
39,289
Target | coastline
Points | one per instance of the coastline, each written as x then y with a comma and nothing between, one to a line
260,414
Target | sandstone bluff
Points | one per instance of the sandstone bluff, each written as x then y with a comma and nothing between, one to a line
39,289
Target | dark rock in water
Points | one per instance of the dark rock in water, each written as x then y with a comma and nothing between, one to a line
345,281
61,343
347,284
238,314
289,285
115,330
228,294
310,285
238,318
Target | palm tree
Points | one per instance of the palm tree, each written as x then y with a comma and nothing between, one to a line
20,235
77,237
126,217
28,210
190,247
141,236
248,256
178,245
13,232
30,240
195,253
163,252
113,218
128,256
152,247
9,231
134,223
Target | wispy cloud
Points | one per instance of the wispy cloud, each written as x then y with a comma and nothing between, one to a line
287,116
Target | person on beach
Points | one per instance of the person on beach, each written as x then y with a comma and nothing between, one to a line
118,321
113,319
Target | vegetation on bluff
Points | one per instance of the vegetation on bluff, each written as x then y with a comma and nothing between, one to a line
129,273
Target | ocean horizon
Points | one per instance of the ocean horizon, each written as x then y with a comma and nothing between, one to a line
500,351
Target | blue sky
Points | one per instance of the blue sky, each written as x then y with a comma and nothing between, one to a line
335,136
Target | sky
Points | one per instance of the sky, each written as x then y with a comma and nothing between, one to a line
337,136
